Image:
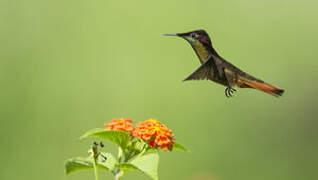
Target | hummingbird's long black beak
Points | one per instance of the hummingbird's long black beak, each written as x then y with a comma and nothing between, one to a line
170,34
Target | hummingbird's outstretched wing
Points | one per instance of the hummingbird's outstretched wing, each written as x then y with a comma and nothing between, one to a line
206,71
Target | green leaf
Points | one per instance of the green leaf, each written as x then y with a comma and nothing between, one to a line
178,146
127,167
79,163
109,162
148,164
120,138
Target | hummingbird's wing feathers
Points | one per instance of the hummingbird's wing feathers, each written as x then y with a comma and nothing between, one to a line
219,64
231,77
205,71
231,72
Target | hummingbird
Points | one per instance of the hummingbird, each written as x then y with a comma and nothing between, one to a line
215,68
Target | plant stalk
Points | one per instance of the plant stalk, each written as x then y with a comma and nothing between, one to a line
143,151
118,175
95,168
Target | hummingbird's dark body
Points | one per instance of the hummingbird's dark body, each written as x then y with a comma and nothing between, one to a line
214,67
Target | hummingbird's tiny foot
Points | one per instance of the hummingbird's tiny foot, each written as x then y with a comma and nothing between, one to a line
229,91
226,93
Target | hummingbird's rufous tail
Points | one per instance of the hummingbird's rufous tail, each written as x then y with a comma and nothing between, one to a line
265,87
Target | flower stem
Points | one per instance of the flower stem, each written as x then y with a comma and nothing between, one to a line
121,158
118,175
143,151
95,168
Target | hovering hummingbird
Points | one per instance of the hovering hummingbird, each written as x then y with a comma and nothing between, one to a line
215,68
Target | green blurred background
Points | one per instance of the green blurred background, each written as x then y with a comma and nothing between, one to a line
69,66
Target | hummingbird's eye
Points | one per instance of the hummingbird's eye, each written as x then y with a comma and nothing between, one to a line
193,35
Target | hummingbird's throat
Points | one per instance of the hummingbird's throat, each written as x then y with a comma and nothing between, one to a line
200,50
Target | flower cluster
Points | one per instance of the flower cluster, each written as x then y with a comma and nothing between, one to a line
157,135
120,125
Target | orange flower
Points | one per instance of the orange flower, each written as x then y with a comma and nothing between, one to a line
120,125
155,133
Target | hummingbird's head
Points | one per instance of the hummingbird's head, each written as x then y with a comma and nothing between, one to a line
195,38
200,42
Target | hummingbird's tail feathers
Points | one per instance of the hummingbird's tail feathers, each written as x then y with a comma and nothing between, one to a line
265,87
